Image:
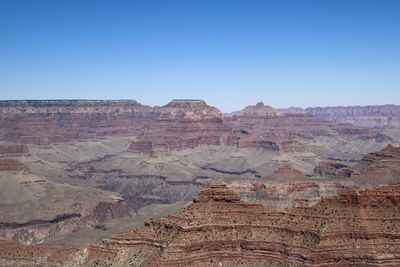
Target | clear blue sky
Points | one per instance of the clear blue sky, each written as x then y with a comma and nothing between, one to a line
230,53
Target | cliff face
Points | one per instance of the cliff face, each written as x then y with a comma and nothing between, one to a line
179,125
367,116
218,229
49,121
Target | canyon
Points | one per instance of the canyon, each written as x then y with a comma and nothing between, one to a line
76,176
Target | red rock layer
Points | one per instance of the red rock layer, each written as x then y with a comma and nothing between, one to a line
359,228
179,125
49,121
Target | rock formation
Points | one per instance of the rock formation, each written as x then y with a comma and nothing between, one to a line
356,228
259,110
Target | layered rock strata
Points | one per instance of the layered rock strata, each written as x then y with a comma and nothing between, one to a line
367,116
359,227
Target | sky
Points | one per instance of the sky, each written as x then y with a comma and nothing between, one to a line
229,53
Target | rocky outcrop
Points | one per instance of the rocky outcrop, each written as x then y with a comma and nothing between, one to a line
357,228
366,116
180,125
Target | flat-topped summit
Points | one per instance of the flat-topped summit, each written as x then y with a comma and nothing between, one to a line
259,109
185,103
193,109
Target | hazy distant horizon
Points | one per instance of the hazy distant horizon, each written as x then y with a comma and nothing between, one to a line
229,53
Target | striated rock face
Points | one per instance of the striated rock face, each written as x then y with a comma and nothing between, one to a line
357,228
49,121
179,125
367,116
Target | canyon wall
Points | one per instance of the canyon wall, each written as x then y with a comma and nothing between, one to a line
366,116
